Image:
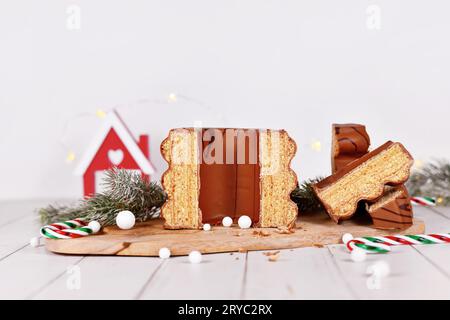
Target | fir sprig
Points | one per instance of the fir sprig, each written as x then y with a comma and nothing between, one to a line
125,190
432,180
305,197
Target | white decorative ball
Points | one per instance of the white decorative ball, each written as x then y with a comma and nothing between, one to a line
358,255
125,220
195,257
379,269
34,242
227,222
347,237
207,227
164,253
95,226
245,222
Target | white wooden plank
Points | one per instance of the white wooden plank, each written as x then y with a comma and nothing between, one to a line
438,255
308,273
104,278
11,211
442,211
31,269
17,234
23,224
411,275
434,221
218,276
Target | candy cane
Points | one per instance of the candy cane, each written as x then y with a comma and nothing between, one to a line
382,244
75,228
423,201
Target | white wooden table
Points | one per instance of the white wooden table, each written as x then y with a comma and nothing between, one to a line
417,272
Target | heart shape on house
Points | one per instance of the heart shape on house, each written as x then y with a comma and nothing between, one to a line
115,156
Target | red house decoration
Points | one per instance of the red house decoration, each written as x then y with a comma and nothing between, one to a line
114,146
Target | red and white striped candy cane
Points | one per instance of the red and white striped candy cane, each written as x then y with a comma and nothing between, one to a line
70,229
382,244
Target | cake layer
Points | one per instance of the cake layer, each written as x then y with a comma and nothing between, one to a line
277,179
364,179
181,180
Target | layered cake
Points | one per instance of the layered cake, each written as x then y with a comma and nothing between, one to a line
364,179
214,173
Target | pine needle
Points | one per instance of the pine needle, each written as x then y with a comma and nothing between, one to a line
305,198
125,190
433,180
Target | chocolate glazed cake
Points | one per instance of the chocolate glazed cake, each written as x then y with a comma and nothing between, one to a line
393,210
349,143
364,179
215,173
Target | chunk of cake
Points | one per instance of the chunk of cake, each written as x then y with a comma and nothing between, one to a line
364,179
214,173
349,142
393,210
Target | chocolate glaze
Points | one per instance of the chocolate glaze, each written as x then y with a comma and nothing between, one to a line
350,142
229,189
396,214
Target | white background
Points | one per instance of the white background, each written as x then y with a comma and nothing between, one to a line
298,65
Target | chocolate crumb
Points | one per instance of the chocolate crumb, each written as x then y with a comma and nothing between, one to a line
317,245
261,233
271,253
284,230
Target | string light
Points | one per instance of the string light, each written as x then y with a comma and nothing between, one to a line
100,113
172,97
418,164
440,200
70,157
316,146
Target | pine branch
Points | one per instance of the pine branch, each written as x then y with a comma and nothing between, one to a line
124,191
433,180
305,197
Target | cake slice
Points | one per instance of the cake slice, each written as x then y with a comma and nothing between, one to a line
393,210
218,172
364,179
349,142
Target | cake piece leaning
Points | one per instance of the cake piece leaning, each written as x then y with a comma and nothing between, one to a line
393,210
364,179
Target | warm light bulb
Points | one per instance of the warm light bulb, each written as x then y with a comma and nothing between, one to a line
100,113
418,164
70,157
172,97
440,200
316,146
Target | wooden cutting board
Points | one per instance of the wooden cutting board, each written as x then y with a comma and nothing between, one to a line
145,239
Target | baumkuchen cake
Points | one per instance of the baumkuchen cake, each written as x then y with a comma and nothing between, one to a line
349,142
364,179
214,173
393,210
